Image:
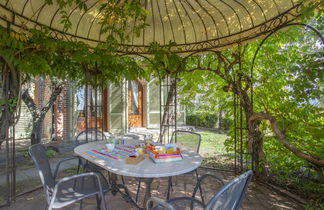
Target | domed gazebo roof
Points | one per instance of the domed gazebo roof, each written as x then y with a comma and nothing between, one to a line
195,25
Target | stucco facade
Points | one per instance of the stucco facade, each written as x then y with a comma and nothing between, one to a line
110,109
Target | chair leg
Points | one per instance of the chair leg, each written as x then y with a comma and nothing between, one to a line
138,189
123,181
79,166
98,202
81,204
109,177
169,187
199,187
125,189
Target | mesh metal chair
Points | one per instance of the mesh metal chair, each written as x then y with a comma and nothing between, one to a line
230,197
90,135
69,189
208,185
186,140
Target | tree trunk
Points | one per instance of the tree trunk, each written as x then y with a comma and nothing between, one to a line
10,94
36,134
38,114
280,136
255,146
255,140
169,115
5,119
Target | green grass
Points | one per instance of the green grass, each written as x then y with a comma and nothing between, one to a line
212,143
212,148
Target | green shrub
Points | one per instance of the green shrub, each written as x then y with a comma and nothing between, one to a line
208,121
50,153
226,123
25,154
202,120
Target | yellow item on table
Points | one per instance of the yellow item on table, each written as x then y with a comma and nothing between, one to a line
170,151
139,150
162,150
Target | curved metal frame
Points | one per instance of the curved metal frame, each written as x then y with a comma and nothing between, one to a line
239,125
215,43
196,47
274,31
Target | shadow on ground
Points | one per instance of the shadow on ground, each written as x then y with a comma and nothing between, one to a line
257,197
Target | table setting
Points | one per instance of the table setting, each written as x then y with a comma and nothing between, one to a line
140,159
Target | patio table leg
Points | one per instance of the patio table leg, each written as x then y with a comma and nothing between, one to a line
148,183
115,188
114,185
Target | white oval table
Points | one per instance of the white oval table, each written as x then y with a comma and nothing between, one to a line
145,169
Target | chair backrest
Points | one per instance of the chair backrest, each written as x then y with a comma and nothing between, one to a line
207,186
187,139
231,196
90,135
38,155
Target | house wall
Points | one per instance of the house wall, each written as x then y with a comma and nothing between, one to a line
62,115
116,119
24,125
117,109
40,90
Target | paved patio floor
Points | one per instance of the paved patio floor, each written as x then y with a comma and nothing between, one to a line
258,196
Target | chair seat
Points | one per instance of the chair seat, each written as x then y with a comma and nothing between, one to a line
75,190
182,203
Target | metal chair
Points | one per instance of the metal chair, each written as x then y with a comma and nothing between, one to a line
208,185
188,140
90,135
69,189
230,197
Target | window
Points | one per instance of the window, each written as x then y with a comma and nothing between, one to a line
134,101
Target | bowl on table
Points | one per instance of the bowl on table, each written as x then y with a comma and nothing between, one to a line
110,147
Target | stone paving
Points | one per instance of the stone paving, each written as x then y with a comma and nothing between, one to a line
257,197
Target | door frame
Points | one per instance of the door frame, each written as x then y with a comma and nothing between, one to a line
142,107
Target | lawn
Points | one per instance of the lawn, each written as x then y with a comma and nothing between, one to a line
212,148
212,143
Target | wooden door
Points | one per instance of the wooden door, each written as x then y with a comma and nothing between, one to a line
135,104
96,111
